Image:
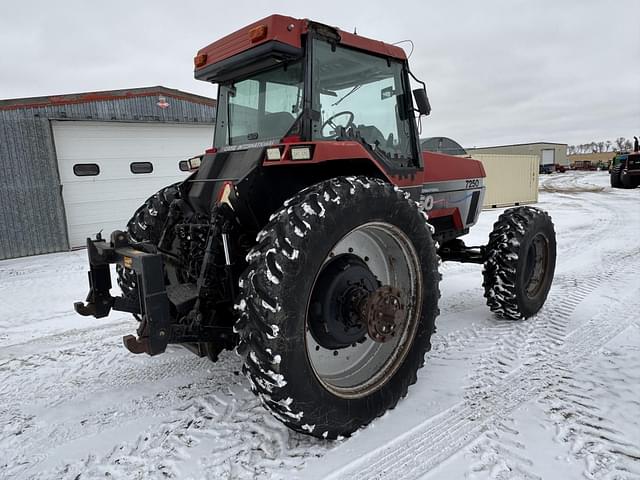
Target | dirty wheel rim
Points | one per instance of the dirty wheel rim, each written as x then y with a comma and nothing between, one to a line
536,265
363,367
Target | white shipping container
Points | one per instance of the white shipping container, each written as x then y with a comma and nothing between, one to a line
511,179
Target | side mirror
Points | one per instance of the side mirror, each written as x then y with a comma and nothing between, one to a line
422,101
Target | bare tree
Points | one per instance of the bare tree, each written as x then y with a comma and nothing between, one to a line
608,145
620,143
628,145
600,146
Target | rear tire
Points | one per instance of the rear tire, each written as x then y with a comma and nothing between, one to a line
615,177
628,181
293,371
146,225
521,259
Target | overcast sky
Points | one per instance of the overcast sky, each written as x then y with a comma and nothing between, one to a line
497,71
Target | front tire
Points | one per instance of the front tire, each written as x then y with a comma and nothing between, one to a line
520,263
341,237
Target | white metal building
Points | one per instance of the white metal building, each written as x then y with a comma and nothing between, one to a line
547,152
73,165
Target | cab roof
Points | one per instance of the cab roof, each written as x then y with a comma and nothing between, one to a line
287,31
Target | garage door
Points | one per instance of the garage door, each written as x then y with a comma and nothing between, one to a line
107,169
548,156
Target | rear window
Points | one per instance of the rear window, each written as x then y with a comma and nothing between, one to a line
86,169
141,167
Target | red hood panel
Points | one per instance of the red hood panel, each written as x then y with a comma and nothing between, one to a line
440,168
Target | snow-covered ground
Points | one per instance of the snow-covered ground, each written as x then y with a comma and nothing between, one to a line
553,397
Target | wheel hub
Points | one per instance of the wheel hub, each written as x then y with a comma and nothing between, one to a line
384,313
335,314
536,265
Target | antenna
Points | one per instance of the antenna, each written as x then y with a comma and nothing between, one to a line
355,31
406,41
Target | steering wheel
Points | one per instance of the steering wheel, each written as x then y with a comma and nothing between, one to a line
330,122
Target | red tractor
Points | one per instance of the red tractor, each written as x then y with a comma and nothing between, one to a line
308,237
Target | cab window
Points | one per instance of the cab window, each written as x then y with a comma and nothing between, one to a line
361,95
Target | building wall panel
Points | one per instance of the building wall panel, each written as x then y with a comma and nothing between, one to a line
31,213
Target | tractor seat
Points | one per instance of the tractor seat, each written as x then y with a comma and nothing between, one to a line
371,134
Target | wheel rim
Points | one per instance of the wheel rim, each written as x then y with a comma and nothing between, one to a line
536,265
357,370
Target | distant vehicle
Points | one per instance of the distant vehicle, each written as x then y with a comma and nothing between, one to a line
625,168
552,167
547,169
583,165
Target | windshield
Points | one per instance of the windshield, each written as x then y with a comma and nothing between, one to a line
261,107
361,95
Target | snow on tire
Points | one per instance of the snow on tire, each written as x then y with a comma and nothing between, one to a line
337,243
520,263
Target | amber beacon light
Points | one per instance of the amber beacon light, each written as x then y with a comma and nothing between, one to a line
258,33
200,60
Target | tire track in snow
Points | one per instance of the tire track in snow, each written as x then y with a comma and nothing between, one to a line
429,444
578,417
189,398
585,426
41,373
502,455
433,441
228,435
31,427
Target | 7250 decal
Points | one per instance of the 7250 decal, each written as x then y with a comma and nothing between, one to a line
475,183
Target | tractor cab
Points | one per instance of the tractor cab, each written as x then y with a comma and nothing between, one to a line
283,80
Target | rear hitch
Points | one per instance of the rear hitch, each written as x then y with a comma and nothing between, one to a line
153,302
136,345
